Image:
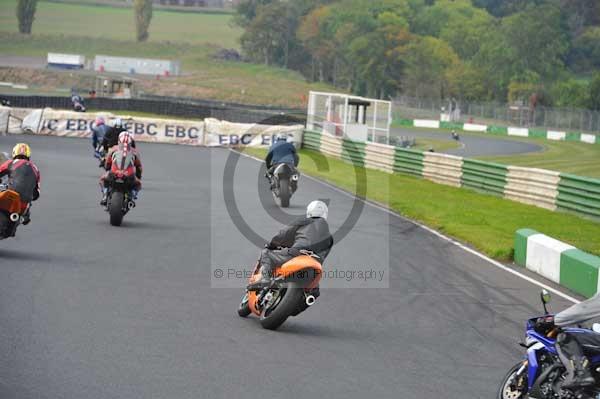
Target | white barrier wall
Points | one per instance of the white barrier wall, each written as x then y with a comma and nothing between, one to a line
210,132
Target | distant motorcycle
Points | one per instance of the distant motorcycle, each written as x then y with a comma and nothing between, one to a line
78,104
292,291
455,136
541,374
10,212
119,199
284,183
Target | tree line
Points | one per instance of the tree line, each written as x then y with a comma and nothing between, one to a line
142,15
479,50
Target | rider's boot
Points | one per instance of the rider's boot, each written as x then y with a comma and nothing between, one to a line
26,217
104,199
264,282
582,376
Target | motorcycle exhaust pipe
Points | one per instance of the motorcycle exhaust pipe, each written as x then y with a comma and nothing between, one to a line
310,300
130,205
14,217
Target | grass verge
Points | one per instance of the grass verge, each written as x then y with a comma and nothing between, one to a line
486,222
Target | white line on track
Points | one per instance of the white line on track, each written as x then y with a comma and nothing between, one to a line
438,234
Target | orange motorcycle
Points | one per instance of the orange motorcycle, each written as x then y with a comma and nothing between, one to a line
11,210
291,291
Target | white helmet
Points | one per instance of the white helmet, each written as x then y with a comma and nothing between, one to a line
280,136
118,122
317,209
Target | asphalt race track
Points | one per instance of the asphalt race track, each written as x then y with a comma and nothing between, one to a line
93,311
471,145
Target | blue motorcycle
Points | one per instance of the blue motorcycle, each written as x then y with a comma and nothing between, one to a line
541,374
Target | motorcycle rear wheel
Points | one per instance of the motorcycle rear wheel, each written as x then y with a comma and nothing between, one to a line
116,208
274,316
505,391
4,225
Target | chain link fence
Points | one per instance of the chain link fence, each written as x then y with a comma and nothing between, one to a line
518,115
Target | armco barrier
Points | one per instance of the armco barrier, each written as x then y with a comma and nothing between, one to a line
537,187
312,140
444,169
381,157
503,130
542,188
579,194
484,176
408,161
353,152
557,261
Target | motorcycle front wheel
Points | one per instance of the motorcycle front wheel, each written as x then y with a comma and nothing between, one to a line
507,391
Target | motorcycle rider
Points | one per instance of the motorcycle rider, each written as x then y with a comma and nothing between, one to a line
77,101
111,137
99,130
122,158
23,177
310,233
569,345
281,151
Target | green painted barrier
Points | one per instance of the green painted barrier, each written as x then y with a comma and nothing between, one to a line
408,161
311,140
579,194
573,136
353,152
557,261
484,176
579,271
451,125
404,122
541,134
503,130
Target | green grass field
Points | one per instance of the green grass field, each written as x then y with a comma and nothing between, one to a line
439,145
118,24
486,222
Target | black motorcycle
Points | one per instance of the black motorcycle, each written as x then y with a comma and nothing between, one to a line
119,199
78,104
284,183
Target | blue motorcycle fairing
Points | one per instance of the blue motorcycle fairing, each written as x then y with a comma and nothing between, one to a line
547,344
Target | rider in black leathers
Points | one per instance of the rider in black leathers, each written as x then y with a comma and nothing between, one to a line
310,233
111,137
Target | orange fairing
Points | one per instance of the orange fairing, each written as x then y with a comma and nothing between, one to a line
300,264
10,201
